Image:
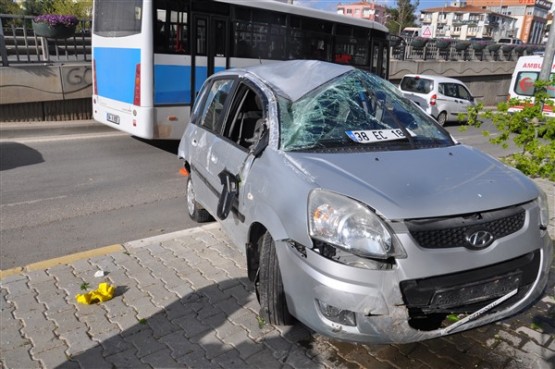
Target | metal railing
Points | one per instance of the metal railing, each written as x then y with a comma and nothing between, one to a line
458,50
19,44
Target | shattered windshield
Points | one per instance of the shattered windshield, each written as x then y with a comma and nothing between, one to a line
357,109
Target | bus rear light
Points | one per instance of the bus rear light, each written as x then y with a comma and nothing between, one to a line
134,122
137,93
433,100
95,86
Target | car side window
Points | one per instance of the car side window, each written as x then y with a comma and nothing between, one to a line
450,90
246,119
211,116
463,92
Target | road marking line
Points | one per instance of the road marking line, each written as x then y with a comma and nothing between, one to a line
46,264
33,201
102,251
84,136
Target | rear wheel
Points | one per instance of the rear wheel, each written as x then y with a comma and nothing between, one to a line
442,118
196,212
269,285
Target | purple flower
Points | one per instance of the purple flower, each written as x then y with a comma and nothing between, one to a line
57,20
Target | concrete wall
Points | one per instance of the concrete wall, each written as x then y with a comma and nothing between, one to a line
45,92
63,92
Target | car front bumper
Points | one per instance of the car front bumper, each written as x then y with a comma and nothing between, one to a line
379,302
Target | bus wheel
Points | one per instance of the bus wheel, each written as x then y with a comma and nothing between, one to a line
269,285
442,118
196,212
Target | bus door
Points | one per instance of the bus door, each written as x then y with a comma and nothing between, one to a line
379,58
210,48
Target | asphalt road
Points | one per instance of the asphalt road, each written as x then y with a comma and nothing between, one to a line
65,190
76,186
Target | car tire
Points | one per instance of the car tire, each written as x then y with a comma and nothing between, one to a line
195,211
442,118
269,285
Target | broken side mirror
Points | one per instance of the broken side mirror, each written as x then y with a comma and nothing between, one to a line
262,135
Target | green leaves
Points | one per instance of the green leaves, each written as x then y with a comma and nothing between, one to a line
529,129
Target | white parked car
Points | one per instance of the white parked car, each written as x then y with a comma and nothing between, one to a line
441,97
509,40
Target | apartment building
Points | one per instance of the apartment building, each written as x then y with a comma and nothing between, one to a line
531,15
463,22
523,19
364,9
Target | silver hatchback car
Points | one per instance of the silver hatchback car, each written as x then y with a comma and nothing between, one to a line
357,213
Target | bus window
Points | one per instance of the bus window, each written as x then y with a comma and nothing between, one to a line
219,37
276,42
128,14
201,28
385,63
171,33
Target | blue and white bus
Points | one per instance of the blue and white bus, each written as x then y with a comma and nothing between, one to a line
150,57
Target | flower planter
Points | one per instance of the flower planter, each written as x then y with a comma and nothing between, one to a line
507,48
462,46
443,44
493,47
418,43
56,31
478,47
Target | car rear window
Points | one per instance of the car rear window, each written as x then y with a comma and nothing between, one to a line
417,84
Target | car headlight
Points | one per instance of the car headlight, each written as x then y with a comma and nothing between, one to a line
544,210
349,225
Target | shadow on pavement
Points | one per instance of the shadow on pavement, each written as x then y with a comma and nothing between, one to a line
205,329
217,327
166,145
14,155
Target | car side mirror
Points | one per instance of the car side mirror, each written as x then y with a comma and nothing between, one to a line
262,135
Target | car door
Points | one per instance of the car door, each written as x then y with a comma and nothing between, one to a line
449,100
465,99
204,136
244,131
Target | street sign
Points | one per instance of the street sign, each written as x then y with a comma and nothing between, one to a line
426,31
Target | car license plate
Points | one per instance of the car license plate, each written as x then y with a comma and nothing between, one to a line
112,118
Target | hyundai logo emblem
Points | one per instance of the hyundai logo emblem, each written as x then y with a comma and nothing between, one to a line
480,239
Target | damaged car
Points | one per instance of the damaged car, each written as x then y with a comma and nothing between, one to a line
357,213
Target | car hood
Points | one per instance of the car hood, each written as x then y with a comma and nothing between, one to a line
419,183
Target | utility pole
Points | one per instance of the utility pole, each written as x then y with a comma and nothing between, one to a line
549,53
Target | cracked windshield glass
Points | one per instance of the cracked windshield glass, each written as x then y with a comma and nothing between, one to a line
357,110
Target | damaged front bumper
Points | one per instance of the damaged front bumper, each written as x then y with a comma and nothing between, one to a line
390,306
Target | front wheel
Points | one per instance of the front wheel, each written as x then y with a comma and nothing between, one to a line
442,118
196,212
269,285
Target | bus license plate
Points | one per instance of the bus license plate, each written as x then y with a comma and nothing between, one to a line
112,118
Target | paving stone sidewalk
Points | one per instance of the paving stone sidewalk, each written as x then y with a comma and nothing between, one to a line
183,300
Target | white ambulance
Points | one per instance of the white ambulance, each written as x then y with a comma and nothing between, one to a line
526,72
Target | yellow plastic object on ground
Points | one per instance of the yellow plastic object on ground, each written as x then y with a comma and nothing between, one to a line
104,292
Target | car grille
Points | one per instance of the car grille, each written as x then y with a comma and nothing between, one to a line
453,232
468,291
